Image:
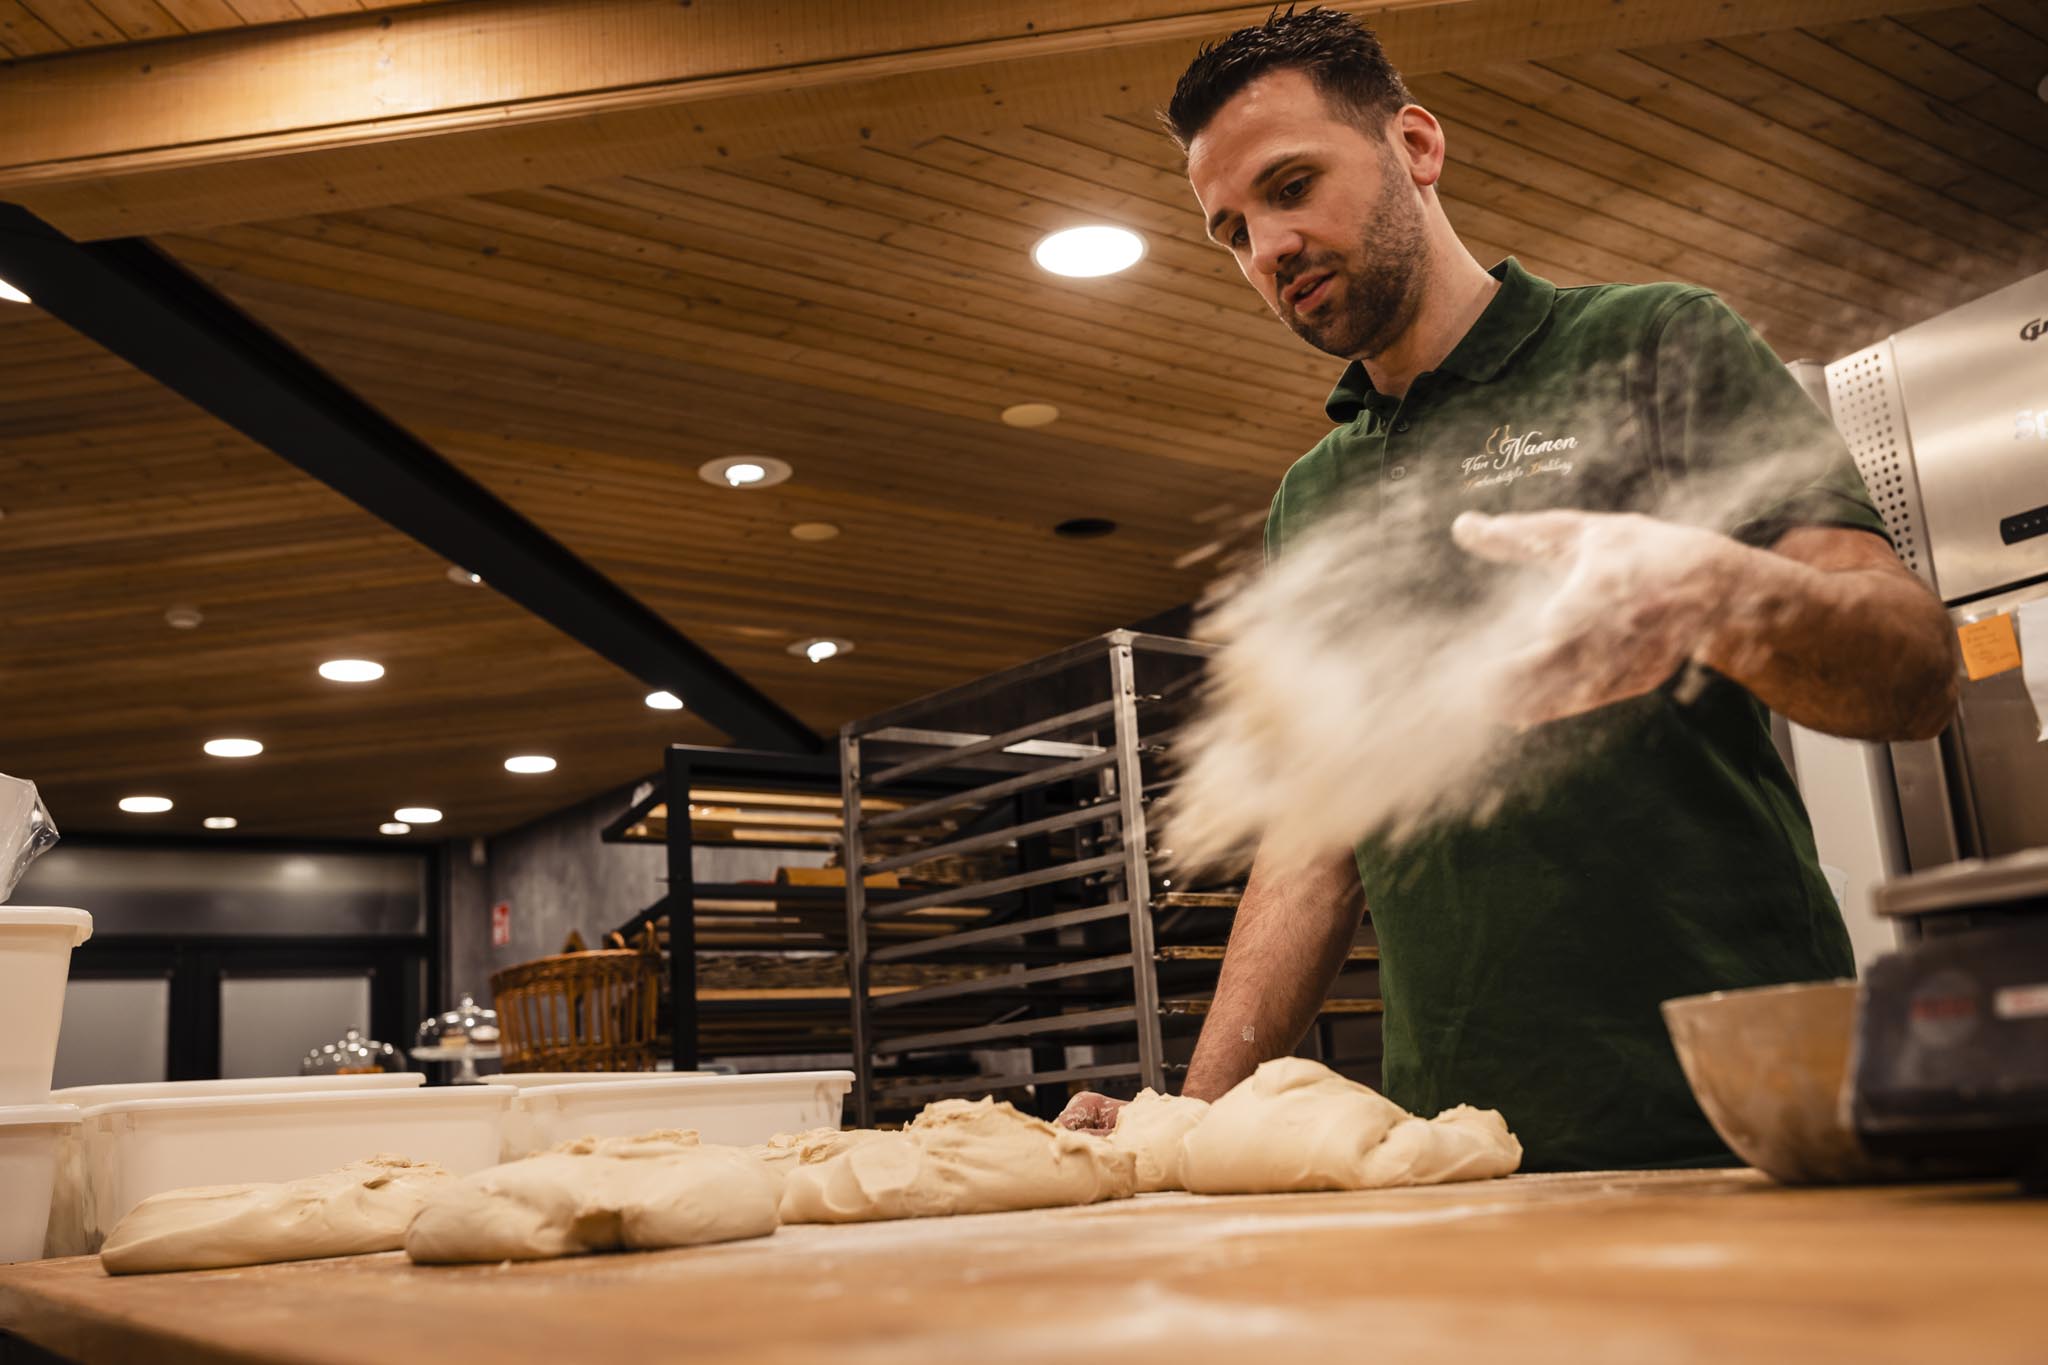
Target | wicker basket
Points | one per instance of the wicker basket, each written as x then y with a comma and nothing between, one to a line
579,1012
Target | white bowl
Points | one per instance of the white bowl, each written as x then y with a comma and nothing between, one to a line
527,1080
29,1139
137,1148
71,1222
730,1110
35,958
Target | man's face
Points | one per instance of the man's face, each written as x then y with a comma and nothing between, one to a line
1320,215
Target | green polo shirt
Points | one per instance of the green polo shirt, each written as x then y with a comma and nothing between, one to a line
1665,850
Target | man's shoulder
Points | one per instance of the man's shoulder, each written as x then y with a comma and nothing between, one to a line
1631,308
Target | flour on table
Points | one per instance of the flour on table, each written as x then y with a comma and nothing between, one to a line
1296,1125
598,1194
363,1207
958,1156
1151,1128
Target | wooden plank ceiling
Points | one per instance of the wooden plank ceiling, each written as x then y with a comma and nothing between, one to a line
32,28
865,313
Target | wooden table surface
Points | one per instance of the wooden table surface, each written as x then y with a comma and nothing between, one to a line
1689,1266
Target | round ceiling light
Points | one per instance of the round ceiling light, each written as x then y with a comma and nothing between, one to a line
220,822
145,805
1087,252
745,471
664,701
351,670
463,577
184,618
1030,415
820,648
11,294
814,530
530,763
234,748
416,815
394,827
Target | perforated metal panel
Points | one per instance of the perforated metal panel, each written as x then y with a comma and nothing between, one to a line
1869,410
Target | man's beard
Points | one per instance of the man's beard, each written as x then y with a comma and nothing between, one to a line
1383,293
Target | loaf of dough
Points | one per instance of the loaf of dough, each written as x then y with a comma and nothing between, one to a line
781,1154
598,1194
363,1207
1151,1128
1295,1124
958,1156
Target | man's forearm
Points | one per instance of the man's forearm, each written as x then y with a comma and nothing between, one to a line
1838,643
1289,941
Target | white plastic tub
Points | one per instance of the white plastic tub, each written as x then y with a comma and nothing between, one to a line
35,958
29,1138
733,1110
137,1148
70,1228
527,1080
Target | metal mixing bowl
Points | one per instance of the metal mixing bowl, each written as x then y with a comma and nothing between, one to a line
1768,1066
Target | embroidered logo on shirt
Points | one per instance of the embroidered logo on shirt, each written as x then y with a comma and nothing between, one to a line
1510,455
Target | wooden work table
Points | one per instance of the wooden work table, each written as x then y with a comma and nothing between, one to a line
1687,1266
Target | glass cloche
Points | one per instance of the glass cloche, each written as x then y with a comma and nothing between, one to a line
467,1034
352,1055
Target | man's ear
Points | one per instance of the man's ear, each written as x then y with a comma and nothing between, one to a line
1420,139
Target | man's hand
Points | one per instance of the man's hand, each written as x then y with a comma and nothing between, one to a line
1636,600
1089,1112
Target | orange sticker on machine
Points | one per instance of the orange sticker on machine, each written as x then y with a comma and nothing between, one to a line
1989,646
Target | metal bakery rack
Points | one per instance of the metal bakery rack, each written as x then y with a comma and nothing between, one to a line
1081,953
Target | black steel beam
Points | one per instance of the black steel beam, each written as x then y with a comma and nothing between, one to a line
144,307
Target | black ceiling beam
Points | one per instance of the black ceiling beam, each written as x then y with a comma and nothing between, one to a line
146,308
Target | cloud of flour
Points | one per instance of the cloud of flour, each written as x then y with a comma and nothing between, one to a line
1363,679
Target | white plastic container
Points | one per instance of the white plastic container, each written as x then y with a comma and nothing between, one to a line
137,1148
527,1080
71,1223
732,1110
35,958
29,1138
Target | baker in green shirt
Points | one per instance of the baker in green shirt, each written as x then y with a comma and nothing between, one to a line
1523,958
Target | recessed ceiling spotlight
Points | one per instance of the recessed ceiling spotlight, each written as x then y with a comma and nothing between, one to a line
1030,415
745,471
351,670
416,815
2042,89
184,618
220,822
1085,528
11,294
234,748
814,530
145,805
664,701
820,648
463,577
1086,252
394,827
530,763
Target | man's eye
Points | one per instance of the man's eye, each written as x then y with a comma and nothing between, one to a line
1238,239
1295,188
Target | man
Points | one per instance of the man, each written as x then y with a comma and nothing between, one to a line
1523,959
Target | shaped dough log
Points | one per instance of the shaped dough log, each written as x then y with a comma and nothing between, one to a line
1297,1125
611,1194
958,1156
363,1207
1152,1128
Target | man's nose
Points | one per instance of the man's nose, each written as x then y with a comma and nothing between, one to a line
1274,249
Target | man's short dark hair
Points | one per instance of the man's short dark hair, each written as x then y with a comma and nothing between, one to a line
1331,48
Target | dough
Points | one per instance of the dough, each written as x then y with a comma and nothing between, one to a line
1297,1125
598,1194
363,1207
1151,1128
958,1156
781,1154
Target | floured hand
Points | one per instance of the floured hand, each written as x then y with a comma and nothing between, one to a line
1089,1112
1636,600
